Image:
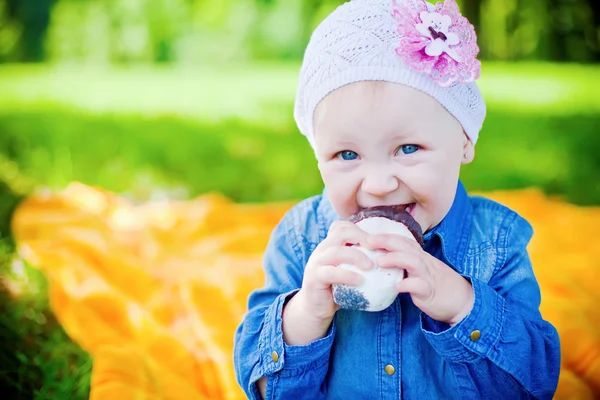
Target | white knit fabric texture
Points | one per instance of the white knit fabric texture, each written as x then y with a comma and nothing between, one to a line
357,42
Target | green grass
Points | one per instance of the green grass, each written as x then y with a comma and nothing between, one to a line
154,133
37,359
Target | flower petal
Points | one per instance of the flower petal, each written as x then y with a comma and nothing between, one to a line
425,17
435,48
423,30
448,60
452,39
445,22
452,54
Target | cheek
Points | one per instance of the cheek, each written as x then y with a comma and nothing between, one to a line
331,179
436,186
341,190
444,189
334,175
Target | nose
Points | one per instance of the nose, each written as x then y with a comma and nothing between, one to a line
379,181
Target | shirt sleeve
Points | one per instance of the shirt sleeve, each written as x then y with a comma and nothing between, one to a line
503,347
259,350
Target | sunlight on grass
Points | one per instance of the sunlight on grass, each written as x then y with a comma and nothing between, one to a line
257,92
249,92
543,87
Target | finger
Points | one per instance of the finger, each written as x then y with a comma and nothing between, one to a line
330,275
343,233
415,286
392,242
411,262
344,255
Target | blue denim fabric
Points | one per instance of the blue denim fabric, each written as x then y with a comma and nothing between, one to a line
517,355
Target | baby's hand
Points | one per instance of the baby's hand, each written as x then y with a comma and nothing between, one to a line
309,313
438,290
321,271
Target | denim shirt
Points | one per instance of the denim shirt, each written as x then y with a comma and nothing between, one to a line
502,349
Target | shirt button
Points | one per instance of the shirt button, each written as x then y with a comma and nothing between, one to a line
475,335
389,369
275,356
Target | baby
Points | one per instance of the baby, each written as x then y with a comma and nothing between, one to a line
387,99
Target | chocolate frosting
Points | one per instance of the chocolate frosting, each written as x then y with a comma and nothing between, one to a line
394,213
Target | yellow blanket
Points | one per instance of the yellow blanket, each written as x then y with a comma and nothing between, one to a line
154,292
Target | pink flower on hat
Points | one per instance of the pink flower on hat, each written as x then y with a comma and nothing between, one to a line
439,41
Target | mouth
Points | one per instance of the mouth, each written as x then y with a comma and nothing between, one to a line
400,213
409,208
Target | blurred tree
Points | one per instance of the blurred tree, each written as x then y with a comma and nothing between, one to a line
571,22
594,35
309,11
133,31
471,9
33,18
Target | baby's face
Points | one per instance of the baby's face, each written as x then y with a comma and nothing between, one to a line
380,143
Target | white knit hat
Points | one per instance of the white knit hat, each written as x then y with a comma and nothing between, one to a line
358,42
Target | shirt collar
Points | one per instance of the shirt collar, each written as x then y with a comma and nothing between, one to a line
453,232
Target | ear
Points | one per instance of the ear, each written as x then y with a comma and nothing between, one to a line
468,151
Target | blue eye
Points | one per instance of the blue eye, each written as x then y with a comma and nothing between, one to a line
347,155
408,149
